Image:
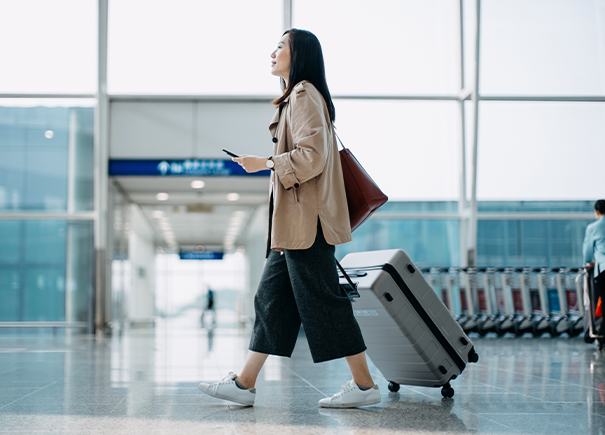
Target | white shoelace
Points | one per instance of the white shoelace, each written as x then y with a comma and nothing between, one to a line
226,380
349,386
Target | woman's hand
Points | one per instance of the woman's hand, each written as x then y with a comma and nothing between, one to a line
251,163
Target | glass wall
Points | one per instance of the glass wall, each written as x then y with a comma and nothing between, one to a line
386,47
542,47
193,47
45,270
540,150
410,148
501,243
46,157
530,243
46,166
429,242
48,46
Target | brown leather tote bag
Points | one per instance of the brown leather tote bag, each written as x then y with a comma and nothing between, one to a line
364,196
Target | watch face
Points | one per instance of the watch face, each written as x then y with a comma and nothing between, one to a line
270,163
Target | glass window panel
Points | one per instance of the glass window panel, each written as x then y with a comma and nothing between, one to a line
34,147
79,273
419,207
542,47
540,151
536,206
431,243
46,185
408,147
44,291
44,242
41,120
200,47
12,181
45,270
470,28
51,46
9,294
10,233
386,46
530,243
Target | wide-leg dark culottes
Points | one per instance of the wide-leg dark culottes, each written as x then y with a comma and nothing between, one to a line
302,286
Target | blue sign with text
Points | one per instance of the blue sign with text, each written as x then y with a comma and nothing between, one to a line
190,167
201,255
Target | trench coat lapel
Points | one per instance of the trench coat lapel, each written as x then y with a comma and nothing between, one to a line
276,115
275,120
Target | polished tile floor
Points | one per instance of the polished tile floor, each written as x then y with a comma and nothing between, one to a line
145,382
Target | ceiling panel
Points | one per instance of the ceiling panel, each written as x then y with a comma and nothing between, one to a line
219,222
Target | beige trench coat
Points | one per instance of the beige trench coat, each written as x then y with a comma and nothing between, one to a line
307,182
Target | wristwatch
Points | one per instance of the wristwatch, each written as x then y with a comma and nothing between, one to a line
270,163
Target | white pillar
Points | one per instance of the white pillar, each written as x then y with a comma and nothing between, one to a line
102,273
472,227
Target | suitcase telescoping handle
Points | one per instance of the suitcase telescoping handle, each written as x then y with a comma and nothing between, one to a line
351,289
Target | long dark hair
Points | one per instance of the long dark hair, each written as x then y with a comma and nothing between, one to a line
306,63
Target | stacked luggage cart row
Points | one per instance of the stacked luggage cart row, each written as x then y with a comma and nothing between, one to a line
512,300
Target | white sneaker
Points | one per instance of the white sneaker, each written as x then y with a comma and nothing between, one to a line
350,396
228,390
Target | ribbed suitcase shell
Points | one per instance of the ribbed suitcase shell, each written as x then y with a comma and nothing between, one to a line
412,338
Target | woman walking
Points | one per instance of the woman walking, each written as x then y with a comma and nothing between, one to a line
308,216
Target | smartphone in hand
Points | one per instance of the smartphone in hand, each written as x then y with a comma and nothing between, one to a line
230,153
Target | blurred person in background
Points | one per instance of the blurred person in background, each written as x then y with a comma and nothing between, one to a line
594,252
209,309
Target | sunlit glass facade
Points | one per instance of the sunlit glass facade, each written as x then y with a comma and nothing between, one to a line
482,120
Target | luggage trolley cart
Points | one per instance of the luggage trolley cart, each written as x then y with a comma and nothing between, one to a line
592,323
457,284
521,312
572,291
484,287
537,298
502,296
556,302
466,279
437,280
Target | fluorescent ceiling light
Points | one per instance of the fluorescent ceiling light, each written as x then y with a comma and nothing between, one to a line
233,196
162,196
197,184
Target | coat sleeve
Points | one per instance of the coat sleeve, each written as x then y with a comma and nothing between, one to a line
588,250
309,132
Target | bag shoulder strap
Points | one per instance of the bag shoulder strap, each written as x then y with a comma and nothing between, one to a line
338,137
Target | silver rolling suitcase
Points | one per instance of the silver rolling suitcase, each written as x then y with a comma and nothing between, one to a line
411,336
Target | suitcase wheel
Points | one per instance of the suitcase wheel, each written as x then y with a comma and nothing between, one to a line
447,391
393,386
473,356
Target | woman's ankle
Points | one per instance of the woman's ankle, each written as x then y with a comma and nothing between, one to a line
244,382
365,382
